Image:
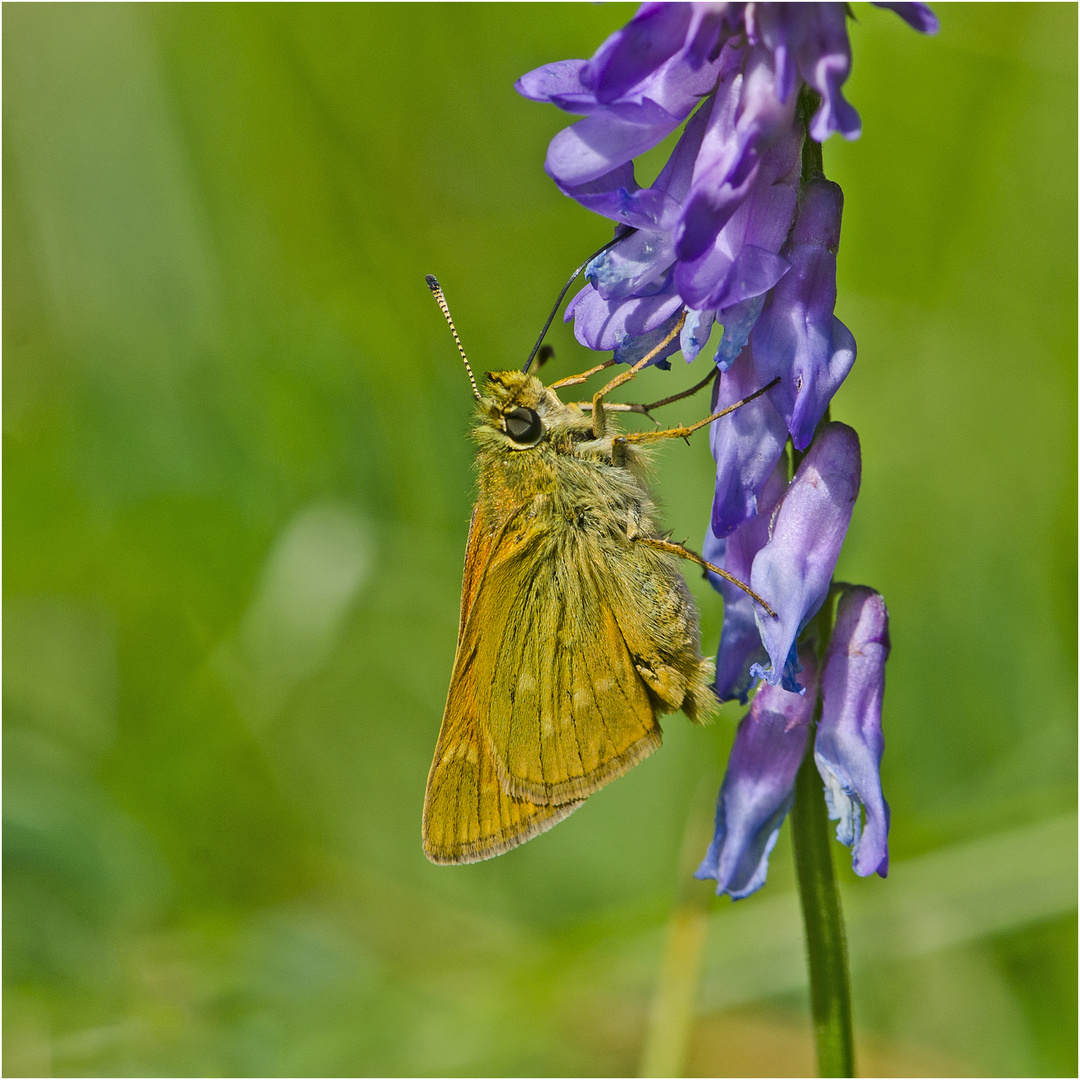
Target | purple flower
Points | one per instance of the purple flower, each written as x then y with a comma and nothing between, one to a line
797,336
746,444
600,325
728,249
794,569
738,263
810,42
631,292
720,211
740,230
747,119
849,743
647,77
740,642
630,104
709,254
759,786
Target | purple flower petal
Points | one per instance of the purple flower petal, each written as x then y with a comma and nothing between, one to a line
754,272
697,279
637,266
812,39
714,25
559,83
746,120
709,208
655,33
797,336
794,569
633,349
605,326
695,332
740,648
827,75
614,133
820,212
759,786
617,195
595,146
746,444
918,16
678,173
740,642
762,221
737,321
849,743
713,165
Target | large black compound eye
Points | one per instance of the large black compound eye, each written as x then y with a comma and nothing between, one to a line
523,426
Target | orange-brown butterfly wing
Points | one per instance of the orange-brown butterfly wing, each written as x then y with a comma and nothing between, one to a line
467,814
482,534
562,703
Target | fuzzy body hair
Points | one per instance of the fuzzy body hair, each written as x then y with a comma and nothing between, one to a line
586,499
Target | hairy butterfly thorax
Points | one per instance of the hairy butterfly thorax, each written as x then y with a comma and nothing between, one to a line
530,441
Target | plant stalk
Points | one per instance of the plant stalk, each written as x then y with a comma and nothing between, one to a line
823,919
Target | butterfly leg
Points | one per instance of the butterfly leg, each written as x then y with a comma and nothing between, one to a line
646,410
573,380
685,553
683,431
625,376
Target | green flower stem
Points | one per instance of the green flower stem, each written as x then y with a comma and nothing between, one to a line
826,946
826,943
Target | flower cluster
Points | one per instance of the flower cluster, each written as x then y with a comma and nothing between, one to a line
795,560
847,750
741,229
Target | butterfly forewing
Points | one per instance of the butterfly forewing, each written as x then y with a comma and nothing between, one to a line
467,814
562,704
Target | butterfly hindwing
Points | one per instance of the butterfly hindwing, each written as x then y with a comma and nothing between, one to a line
562,703
467,815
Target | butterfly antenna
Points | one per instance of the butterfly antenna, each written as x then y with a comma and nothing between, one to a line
565,290
436,291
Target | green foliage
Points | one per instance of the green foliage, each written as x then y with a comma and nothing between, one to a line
237,488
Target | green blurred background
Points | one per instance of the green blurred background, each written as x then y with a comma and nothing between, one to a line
237,493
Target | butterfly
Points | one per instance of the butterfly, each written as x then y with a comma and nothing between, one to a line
577,630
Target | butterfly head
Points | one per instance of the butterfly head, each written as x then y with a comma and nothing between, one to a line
517,412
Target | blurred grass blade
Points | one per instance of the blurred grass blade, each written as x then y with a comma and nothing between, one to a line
933,902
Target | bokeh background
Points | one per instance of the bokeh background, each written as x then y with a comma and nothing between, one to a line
237,487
